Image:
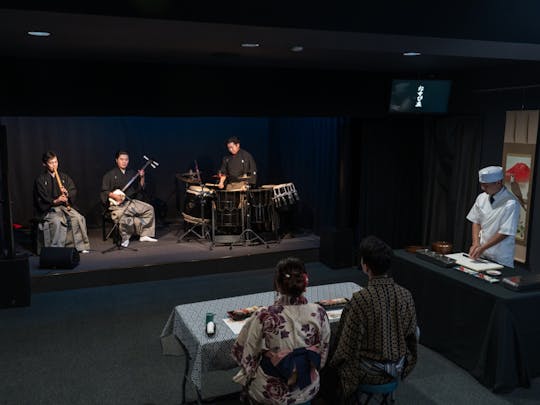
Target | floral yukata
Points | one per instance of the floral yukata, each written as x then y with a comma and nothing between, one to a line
272,334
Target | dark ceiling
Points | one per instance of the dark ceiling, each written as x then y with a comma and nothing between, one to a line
345,35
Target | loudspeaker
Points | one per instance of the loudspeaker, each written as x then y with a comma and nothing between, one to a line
58,258
14,282
336,249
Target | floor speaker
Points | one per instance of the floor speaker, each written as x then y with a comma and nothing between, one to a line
336,249
14,282
58,258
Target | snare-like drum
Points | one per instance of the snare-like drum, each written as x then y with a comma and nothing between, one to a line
285,194
198,202
228,208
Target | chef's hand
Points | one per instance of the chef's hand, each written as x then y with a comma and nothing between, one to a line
475,251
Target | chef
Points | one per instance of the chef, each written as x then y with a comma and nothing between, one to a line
494,217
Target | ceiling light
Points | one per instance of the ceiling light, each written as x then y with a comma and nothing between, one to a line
39,33
411,54
250,45
297,48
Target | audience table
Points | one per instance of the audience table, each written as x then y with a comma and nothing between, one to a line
185,329
490,331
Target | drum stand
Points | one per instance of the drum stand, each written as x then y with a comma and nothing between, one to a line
247,231
204,233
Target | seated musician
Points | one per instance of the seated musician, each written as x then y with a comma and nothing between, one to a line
238,164
281,348
376,340
131,214
54,196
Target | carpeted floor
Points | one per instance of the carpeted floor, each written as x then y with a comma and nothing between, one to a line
101,346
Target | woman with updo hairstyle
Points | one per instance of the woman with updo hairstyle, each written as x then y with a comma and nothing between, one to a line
291,277
281,348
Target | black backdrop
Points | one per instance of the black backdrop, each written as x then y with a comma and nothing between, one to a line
452,148
298,150
389,178
414,178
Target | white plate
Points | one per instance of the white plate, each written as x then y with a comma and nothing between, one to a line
493,272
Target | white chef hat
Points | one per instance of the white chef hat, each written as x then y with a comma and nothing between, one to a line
490,174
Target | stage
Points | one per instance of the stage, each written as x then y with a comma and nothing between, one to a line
165,259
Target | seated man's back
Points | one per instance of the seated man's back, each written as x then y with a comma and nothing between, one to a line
376,341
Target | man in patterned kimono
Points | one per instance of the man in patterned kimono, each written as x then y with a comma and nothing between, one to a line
281,348
60,223
377,335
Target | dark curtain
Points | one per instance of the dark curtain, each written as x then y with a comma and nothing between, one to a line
305,151
452,150
86,147
387,160
298,150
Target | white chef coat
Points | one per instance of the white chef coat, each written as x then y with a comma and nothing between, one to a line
500,217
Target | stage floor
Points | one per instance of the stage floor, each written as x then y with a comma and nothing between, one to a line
165,259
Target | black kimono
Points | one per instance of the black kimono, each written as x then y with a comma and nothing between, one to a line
60,226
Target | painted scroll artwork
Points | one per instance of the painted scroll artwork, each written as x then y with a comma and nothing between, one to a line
517,179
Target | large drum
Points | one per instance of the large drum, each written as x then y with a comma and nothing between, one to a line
198,204
229,208
261,208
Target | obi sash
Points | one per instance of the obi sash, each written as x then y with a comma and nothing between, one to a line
294,367
392,368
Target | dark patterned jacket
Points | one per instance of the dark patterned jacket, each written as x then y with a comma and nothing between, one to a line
378,324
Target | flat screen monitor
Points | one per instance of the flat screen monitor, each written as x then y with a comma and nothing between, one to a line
420,96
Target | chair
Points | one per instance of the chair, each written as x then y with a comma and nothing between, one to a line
383,391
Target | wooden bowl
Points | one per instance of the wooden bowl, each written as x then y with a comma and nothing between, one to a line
442,247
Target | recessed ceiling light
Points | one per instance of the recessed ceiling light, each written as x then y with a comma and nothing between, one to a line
250,45
411,54
39,33
297,48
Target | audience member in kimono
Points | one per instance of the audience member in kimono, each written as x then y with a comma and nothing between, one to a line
281,348
376,341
